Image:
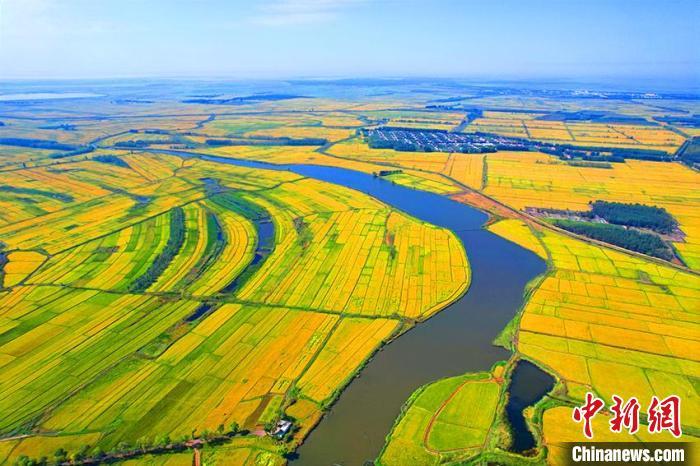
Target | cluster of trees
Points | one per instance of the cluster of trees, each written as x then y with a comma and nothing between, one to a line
635,215
387,172
172,246
641,154
594,153
140,143
37,144
689,152
304,234
3,261
71,153
111,159
633,240
62,126
691,120
590,164
595,116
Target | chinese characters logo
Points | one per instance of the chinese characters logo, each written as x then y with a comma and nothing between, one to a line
662,415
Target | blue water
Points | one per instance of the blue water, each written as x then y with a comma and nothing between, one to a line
456,340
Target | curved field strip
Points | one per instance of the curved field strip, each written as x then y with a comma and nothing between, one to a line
235,240
112,262
222,241
418,266
154,167
463,421
445,422
30,193
192,249
77,223
95,358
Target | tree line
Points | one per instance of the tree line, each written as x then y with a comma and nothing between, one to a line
633,240
635,215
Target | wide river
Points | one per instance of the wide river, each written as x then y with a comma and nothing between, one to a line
456,340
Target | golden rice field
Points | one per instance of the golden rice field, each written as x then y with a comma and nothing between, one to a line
87,130
19,266
332,127
119,322
520,233
357,149
530,179
115,301
13,157
416,264
330,134
467,169
444,422
525,125
611,323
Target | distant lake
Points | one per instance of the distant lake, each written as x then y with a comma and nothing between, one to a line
47,96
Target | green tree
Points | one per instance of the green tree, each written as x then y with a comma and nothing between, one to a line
164,440
97,452
234,428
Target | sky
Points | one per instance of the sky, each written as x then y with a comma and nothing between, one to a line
235,39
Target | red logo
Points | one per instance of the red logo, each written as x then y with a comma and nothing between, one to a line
586,413
626,415
662,414
665,415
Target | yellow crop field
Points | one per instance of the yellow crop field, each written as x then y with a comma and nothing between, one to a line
525,125
520,233
445,422
528,179
468,169
123,284
615,324
12,157
381,246
510,115
351,343
160,295
356,149
330,134
20,264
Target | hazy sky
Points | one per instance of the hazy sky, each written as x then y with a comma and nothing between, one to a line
282,38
